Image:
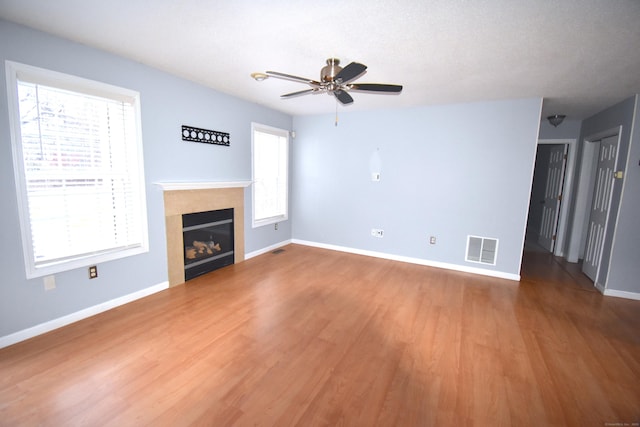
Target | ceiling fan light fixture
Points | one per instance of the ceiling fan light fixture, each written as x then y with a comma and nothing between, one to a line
556,119
259,76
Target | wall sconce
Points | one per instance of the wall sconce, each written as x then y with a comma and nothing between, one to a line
556,119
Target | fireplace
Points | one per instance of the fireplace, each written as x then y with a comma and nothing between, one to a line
208,241
182,198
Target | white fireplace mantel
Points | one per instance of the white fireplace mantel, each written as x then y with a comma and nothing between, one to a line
201,185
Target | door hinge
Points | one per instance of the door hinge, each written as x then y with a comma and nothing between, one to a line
553,237
560,198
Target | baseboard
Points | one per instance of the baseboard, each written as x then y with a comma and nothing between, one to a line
45,327
622,294
267,249
419,261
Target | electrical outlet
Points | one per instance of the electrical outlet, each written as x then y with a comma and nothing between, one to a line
93,272
376,232
432,240
49,282
275,227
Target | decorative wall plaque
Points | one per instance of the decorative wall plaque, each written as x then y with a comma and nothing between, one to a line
190,133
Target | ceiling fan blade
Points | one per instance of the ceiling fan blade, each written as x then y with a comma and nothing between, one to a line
375,87
301,92
293,78
343,97
350,72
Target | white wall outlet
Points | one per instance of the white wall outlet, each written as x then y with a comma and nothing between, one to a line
432,240
376,232
49,282
375,177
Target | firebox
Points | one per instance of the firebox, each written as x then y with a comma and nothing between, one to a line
208,241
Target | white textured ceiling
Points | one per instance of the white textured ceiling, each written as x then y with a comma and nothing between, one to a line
580,55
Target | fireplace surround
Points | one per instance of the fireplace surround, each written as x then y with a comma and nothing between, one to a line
184,198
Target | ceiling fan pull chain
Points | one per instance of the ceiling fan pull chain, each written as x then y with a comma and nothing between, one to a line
336,112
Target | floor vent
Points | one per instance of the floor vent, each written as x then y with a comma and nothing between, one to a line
483,250
277,251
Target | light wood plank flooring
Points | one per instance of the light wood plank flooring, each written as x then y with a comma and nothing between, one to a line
315,337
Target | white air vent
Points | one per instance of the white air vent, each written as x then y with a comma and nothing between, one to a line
483,250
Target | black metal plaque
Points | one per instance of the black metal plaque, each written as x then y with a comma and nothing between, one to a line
207,136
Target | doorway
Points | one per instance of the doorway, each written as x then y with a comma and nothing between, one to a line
553,171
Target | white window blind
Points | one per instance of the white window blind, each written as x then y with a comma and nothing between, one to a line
78,163
270,174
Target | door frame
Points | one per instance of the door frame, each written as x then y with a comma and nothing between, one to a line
567,187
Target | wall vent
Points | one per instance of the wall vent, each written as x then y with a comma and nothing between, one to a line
483,250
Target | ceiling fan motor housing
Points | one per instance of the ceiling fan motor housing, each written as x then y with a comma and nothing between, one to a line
329,71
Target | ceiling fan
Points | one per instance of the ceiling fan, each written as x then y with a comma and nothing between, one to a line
334,80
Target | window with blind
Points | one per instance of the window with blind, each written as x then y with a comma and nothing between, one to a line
270,149
78,164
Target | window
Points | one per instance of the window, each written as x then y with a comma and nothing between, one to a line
77,152
270,148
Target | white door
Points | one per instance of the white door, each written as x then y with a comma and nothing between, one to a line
600,206
552,197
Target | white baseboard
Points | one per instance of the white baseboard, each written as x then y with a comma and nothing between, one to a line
615,293
622,294
267,249
428,263
45,327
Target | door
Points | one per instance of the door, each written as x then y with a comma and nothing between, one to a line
552,197
600,206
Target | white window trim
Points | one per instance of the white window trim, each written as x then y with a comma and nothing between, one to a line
16,71
279,218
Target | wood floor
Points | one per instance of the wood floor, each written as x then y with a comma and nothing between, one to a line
315,337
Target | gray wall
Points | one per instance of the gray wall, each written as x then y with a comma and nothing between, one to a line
447,171
167,103
568,129
622,245
624,267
